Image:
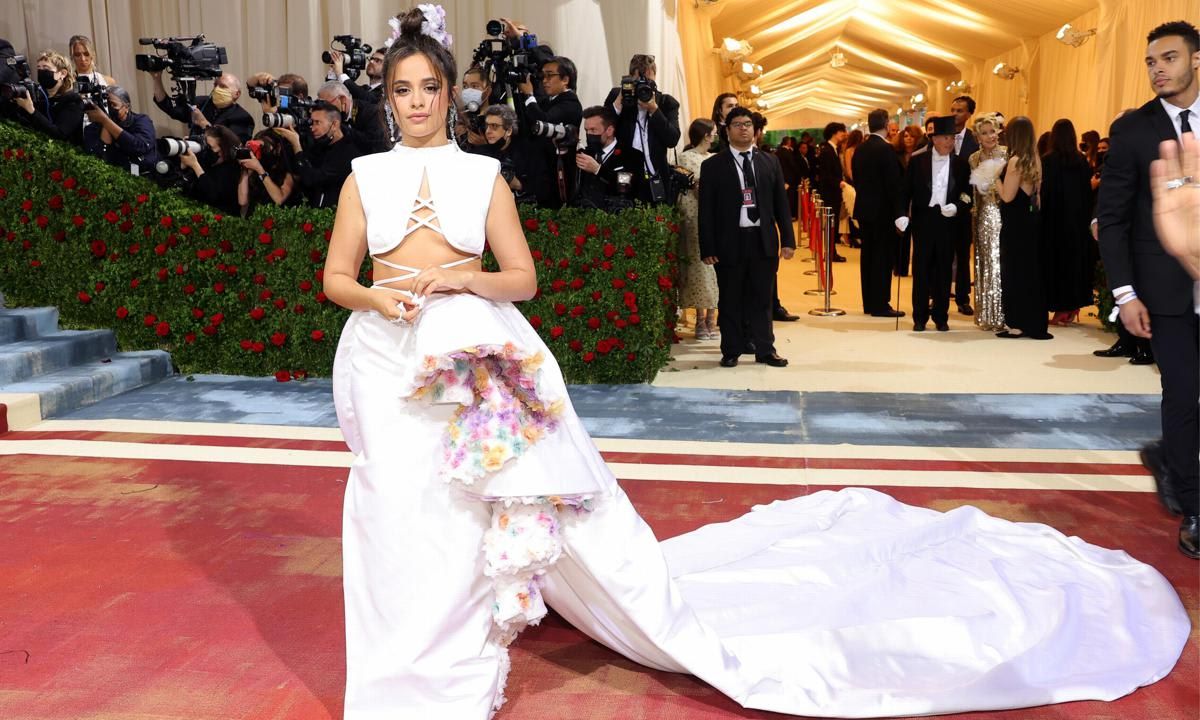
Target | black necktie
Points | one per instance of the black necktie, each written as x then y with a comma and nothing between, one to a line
748,172
1184,125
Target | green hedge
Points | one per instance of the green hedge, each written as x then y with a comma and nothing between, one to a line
243,296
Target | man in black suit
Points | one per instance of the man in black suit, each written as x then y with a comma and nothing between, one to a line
937,189
1153,292
217,108
559,106
608,168
829,176
651,126
744,220
877,207
965,143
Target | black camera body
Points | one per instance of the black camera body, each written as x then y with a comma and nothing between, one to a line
635,88
294,112
506,63
94,95
197,60
565,137
24,87
265,92
355,54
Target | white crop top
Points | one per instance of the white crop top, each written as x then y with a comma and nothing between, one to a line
460,193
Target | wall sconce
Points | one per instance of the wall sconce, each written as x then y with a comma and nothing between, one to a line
750,71
1004,71
762,104
917,102
1068,35
960,87
838,58
755,91
733,51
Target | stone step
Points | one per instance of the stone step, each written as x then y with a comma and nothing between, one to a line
69,388
51,352
27,323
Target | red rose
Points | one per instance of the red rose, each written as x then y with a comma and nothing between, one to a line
178,269
27,205
633,231
629,251
149,320
278,339
99,249
258,347
280,303
204,231
618,283
162,329
575,345
35,263
531,224
634,319
321,297
536,322
664,282
84,297
160,249
42,221
315,256
125,226
247,345
558,285
307,228
166,221
317,335
631,357
189,289
577,311
609,250
590,356
189,338
620,324
134,283
305,285
264,295
536,254
319,275
283,376
607,232
560,309
257,313
596,296
218,287
112,217
593,323
328,234
56,202
217,319
606,265
631,275
264,238
142,198
556,332
580,241
100,287
268,224
209,330
163,273
564,264
134,248
577,284
611,314
56,175
3,193
260,279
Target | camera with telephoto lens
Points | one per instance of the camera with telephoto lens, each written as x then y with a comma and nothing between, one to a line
24,87
172,146
264,92
562,134
294,112
635,88
197,60
506,63
355,54
94,95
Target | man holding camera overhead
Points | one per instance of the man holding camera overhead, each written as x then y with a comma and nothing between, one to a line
217,108
648,121
559,106
359,104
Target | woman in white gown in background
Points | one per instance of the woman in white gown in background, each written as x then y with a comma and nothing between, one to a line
476,498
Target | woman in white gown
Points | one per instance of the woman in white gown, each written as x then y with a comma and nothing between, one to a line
476,499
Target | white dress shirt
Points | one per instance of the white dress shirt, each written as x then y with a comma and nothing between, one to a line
641,138
745,220
941,179
1174,113
958,140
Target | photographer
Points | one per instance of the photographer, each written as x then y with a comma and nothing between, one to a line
216,185
217,108
290,84
324,167
121,136
372,92
502,142
266,173
361,123
55,109
609,169
648,121
559,106
475,95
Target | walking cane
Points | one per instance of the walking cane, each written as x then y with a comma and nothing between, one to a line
830,228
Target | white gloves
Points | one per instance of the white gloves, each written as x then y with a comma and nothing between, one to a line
949,210
901,224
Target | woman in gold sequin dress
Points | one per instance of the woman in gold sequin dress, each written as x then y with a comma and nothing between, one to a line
986,164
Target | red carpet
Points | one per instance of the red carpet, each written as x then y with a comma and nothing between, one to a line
163,589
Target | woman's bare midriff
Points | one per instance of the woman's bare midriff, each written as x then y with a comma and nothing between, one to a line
421,249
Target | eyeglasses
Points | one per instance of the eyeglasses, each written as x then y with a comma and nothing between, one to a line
551,74
741,125
496,126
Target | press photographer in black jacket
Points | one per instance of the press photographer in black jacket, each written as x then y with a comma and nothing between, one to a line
217,108
217,184
55,110
323,167
559,106
121,137
650,125
502,141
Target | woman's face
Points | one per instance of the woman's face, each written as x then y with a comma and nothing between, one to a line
989,137
58,74
1102,146
909,142
419,100
82,58
214,145
494,130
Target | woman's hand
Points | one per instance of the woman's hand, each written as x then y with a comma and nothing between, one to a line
394,306
25,102
291,136
189,161
252,164
438,279
1177,209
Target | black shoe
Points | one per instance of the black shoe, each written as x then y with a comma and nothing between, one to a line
1189,536
965,309
838,258
1142,357
772,360
918,327
1154,459
729,361
888,313
1118,349
749,349
942,327
782,315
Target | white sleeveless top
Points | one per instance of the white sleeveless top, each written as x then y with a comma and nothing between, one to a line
460,191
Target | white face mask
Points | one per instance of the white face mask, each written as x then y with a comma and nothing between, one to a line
472,99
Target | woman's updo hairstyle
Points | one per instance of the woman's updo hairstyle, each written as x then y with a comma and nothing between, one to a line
413,41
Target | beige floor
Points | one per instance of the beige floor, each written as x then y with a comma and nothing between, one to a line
858,353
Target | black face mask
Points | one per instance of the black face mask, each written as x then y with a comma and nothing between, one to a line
323,140
46,78
1100,157
595,144
115,116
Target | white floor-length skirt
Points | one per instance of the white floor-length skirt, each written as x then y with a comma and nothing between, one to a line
837,604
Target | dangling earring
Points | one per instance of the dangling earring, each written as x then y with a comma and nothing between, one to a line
452,121
391,123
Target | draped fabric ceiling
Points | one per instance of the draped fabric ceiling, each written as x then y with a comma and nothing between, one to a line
895,49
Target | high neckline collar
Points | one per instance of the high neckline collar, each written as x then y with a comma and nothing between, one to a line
448,148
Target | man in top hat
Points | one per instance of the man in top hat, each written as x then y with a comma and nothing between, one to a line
938,195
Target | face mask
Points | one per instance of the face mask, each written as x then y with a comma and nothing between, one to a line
595,144
221,97
323,140
115,116
472,99
46,78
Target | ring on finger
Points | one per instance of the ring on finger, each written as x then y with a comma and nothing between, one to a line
1176,183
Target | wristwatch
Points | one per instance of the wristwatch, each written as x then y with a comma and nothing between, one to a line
263,177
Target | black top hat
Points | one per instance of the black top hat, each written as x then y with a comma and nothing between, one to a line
944,126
